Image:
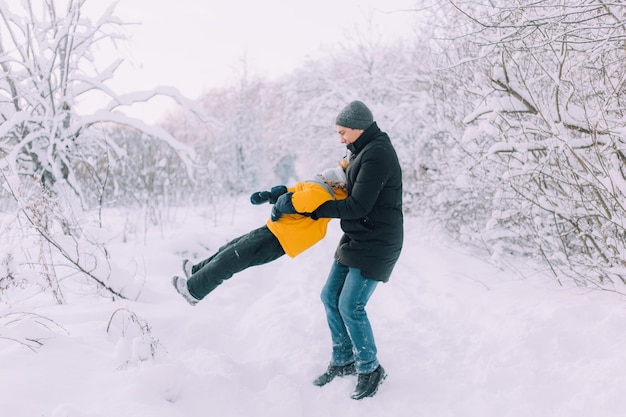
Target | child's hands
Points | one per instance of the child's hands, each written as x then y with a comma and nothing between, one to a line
260,197
271,196
283,206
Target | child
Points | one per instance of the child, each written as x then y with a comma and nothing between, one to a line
285,232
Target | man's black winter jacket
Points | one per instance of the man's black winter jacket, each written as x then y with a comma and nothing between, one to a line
371,216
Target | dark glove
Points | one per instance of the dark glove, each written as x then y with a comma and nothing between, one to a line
261,197
276,192
283,206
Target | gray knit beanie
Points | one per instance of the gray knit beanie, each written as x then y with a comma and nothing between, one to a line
355,115
336,174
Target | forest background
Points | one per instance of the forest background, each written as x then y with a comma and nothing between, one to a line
507,117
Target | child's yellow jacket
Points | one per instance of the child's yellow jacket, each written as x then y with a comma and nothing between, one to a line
295,232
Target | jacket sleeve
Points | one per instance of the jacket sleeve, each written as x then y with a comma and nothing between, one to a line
370,180
307,197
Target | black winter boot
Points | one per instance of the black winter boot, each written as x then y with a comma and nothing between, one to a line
334,371
368,384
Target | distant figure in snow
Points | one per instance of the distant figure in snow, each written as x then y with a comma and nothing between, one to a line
286,232
372,221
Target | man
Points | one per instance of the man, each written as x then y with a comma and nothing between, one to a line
372,222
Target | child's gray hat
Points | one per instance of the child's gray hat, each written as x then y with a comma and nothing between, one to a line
355,115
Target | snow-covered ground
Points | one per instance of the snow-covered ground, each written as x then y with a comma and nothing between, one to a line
457,336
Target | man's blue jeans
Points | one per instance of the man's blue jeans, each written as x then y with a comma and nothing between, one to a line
345,296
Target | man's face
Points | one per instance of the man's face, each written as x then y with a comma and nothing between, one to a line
348,135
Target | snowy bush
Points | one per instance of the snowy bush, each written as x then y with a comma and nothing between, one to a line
551,140
57,165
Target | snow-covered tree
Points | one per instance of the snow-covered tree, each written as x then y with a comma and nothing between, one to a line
549,122
50,154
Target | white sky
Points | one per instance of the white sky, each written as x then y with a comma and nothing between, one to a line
197,44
